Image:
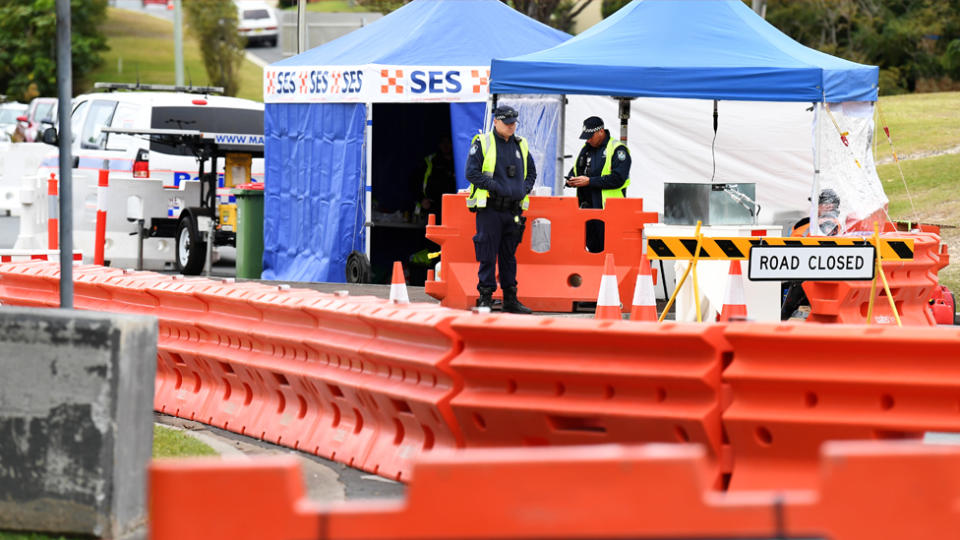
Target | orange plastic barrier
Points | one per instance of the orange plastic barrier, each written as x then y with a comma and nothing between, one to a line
352,378
30,284
795,386
864,491
531,381
261,499
911,284
549,281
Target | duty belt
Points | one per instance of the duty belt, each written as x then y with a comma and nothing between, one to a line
503,204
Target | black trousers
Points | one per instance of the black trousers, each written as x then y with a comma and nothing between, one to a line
498,234
794,298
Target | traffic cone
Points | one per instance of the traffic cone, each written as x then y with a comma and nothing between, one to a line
734,302
644,300
398,285
608,301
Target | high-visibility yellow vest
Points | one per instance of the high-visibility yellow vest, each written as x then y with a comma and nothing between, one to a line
426,178
478,197
612,145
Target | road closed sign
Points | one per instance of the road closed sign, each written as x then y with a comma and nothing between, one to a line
811,263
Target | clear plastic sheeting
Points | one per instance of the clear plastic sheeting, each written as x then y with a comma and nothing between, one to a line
859,188
314,192
539,123
768,143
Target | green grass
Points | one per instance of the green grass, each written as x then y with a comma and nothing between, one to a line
141,47
169,443
919,123
333,6
35,536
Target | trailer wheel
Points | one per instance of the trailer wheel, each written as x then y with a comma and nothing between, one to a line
358,268
190,249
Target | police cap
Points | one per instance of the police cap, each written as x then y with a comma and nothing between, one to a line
590,126
505,114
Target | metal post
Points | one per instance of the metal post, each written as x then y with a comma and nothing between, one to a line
178,41
624,114
140,234
368,181
814,228
208,257
64,93
301,26
559,181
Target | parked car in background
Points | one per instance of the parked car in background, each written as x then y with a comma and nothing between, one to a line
41,109
257,22
9,112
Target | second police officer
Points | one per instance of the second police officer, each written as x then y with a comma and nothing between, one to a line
601,171
502,173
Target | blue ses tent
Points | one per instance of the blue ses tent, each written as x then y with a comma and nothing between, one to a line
347,122
706,49
716,50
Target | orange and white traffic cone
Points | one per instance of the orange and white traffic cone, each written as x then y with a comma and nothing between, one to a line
734,301
644,300
608,301
398,285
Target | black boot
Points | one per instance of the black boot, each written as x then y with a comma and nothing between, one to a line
512,305
486,297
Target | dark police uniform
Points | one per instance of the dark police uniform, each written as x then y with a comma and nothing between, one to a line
590,162
500,224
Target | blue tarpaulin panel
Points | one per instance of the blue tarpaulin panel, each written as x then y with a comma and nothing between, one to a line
699,49
466,119
314,192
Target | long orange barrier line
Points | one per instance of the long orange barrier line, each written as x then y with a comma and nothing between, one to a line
377,385
862,491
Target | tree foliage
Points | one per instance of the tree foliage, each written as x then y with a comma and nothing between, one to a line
559,14
214,24
28,45
911,40
610,7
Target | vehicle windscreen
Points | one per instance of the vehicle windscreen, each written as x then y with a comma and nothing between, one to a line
9,116
255,14
205,119
44,111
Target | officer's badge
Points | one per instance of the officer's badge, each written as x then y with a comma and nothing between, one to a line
473,149
518,154
621,154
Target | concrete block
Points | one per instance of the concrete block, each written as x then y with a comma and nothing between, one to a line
76,426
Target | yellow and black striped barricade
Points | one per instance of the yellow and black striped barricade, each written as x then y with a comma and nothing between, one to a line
738,247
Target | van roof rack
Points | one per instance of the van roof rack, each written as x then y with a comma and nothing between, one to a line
111,86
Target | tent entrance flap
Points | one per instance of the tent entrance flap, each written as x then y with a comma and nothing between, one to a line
413,165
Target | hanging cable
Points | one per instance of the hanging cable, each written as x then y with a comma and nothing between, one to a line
713,145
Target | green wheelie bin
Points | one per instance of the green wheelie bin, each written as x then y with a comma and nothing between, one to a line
249,230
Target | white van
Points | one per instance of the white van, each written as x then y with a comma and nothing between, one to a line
257,22
164,177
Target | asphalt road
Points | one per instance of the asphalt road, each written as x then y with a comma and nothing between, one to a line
325,481
258,54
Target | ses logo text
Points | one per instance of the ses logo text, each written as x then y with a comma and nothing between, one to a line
327,82
318,81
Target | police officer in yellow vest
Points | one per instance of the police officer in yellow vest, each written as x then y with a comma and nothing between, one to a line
602,171
501,171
